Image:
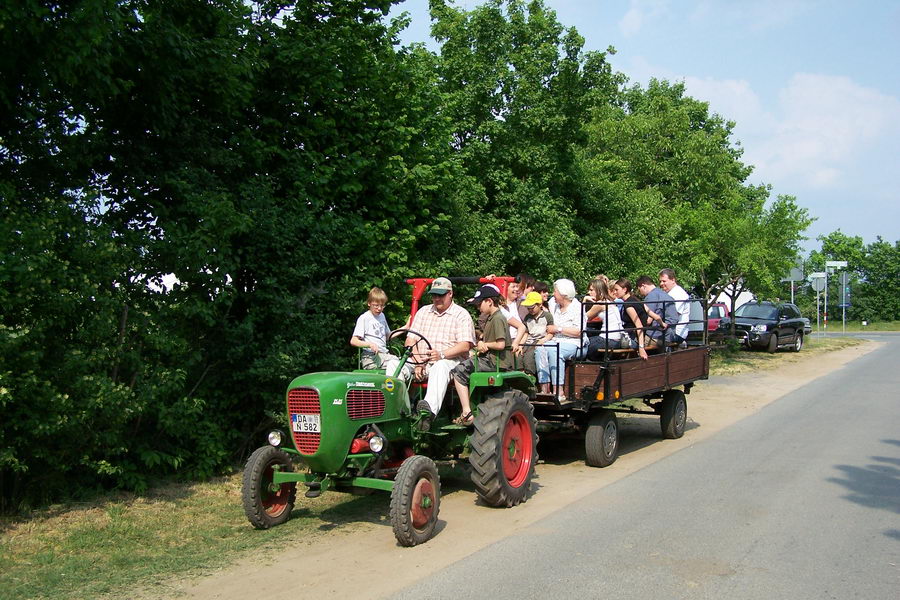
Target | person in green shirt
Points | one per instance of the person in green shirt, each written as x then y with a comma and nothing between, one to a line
495,345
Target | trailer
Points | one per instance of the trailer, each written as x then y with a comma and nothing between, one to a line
595,391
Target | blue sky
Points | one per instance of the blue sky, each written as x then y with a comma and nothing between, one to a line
814,87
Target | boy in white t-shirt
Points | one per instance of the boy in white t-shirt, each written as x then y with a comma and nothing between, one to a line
371,334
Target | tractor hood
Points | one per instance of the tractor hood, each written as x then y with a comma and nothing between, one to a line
327,410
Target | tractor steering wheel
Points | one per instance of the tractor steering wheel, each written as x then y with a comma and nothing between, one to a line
412,349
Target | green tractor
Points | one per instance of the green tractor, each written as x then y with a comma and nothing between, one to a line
359,430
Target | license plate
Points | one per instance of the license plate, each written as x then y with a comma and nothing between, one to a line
306,423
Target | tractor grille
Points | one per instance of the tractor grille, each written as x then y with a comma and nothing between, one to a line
305,401
365,404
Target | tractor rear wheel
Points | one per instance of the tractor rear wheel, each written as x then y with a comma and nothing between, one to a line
673,414
415,500
601,441
504,449
265,504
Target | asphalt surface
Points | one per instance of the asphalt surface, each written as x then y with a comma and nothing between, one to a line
800,500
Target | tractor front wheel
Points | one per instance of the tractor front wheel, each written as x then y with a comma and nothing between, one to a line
266,504
415,500
504,449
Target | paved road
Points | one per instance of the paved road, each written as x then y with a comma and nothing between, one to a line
801,500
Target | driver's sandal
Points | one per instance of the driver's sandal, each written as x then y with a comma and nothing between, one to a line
466,419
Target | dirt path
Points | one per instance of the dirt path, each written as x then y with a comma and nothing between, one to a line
367,561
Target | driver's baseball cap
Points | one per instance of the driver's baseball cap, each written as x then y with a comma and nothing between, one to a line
441,286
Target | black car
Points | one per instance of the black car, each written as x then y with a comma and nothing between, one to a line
770,325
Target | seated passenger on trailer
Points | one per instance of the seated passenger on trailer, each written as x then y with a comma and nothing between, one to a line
536,320
633,316
509,306
568,337
660,309
609,334
667,282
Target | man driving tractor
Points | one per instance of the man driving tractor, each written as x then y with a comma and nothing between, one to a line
448,326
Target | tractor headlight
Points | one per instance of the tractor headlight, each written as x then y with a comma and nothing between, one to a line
376,444
761,328
275,438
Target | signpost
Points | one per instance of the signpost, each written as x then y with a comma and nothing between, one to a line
796,274
845,299
817,280
830,266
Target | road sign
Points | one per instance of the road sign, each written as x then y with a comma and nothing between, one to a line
839,264
818,284
847,305
796,274
816,275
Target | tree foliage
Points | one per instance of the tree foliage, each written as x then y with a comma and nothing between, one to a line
874,277
196,197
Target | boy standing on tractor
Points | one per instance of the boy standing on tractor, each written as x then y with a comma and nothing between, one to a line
495,337
371,333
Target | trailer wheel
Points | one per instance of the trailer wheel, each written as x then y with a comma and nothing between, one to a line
601,442
798,342
504,449
673,414
265,505
415,500
773,344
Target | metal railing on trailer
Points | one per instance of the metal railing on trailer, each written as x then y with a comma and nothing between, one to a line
615,351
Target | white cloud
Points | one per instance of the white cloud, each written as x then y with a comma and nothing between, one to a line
823,124
820,129
639,13
734,99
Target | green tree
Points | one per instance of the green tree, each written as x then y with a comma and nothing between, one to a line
874,271
518,89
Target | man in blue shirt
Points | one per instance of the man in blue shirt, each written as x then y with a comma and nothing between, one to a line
660,306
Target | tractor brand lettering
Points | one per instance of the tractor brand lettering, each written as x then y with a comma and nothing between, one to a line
389,385
364,384
338,401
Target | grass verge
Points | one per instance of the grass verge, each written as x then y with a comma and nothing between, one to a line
125,542
858,327
729,360
123,545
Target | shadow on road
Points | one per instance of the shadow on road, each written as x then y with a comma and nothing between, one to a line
635,432
876,485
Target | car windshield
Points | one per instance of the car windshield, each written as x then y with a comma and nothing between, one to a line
757,311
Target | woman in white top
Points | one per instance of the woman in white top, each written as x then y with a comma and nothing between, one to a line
509,307
568,337
610,332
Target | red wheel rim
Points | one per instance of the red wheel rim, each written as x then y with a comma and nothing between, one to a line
422,503
274,503
517,450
